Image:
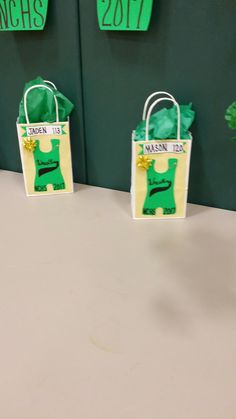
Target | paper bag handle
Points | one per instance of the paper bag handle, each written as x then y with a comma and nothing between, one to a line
36,87
153,106
51,83
150,98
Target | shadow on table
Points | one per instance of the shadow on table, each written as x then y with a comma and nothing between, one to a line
123,201
78,187
193,210
200,277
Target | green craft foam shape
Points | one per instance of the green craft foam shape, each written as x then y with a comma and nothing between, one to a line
23,15
124,15
48,170
160,190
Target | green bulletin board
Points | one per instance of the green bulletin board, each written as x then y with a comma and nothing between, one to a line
109,74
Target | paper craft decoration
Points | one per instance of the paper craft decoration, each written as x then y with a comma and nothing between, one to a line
160,171
45,153
230,117
124,15
23,15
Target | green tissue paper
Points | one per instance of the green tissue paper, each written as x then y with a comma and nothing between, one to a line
41,104
163,124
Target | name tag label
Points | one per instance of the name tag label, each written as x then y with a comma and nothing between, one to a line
163,147
44,130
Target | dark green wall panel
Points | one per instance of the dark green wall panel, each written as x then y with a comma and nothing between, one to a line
53,54
190,50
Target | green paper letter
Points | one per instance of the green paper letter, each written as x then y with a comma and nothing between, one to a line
124,15
23,15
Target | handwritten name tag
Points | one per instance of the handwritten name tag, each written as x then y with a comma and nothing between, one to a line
163,147
40,130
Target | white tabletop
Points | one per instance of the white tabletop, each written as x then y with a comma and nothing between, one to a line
103,317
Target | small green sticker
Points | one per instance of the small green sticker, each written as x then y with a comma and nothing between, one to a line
141,150
23,15
124,15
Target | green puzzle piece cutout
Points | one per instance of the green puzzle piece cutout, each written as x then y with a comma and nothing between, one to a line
160,190
23,15
48,170
124,15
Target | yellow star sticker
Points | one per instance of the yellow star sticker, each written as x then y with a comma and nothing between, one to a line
29,144
144,162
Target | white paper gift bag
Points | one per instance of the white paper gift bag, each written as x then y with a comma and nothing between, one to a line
45,153
160,170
